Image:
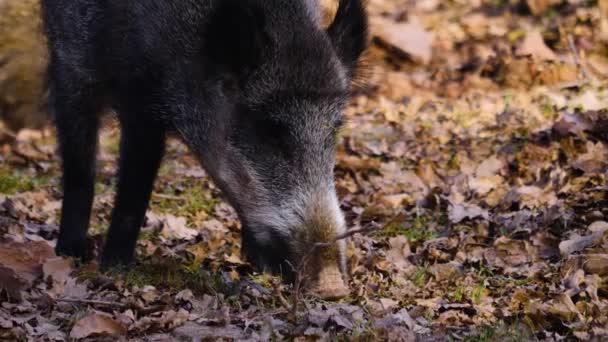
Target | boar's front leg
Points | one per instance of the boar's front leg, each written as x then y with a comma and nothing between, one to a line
77,124
141,150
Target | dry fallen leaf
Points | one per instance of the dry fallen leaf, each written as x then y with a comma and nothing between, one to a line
97,324
578,243
534,45
589,101
459,212
409,38
538,7
175,228
58,269
21,264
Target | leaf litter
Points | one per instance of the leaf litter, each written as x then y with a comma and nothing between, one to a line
475,155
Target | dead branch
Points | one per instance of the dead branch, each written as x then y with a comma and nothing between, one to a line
277,290
143,310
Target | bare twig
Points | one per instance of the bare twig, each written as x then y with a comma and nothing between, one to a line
143,310
345,235
577,59
27,158
38,149
147,310
297,285
9,133
277,290
169,197
92,302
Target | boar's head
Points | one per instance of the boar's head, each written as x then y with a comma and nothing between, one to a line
278,85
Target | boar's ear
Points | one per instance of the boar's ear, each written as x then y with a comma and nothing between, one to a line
236,37
348,32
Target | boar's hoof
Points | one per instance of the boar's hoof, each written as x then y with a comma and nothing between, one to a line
331,285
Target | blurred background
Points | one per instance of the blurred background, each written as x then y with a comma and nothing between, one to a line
475,143
22,64
448,46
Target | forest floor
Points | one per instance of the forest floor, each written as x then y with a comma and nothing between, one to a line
477,149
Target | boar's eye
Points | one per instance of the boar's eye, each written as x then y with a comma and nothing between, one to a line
339,123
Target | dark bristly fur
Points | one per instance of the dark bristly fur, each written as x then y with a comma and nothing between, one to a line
254,87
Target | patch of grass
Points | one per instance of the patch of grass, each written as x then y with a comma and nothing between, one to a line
149,234
14,182
189,203
484,271
112,144
167,275
500,3
516,282
500,332
172,275
264,279
459,294
196,201
416,231
103,186
359,334
477,292
551,13
165,169
421,276
548,110
98,228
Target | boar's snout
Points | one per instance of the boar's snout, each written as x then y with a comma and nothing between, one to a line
301,236
318,248
330,284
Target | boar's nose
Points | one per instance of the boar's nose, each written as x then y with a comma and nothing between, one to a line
330,284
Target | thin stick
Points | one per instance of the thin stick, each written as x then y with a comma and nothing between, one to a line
299,270
169,197
297,284
26,158
8,132
140,309
577,60
277,291
345,235
91,301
